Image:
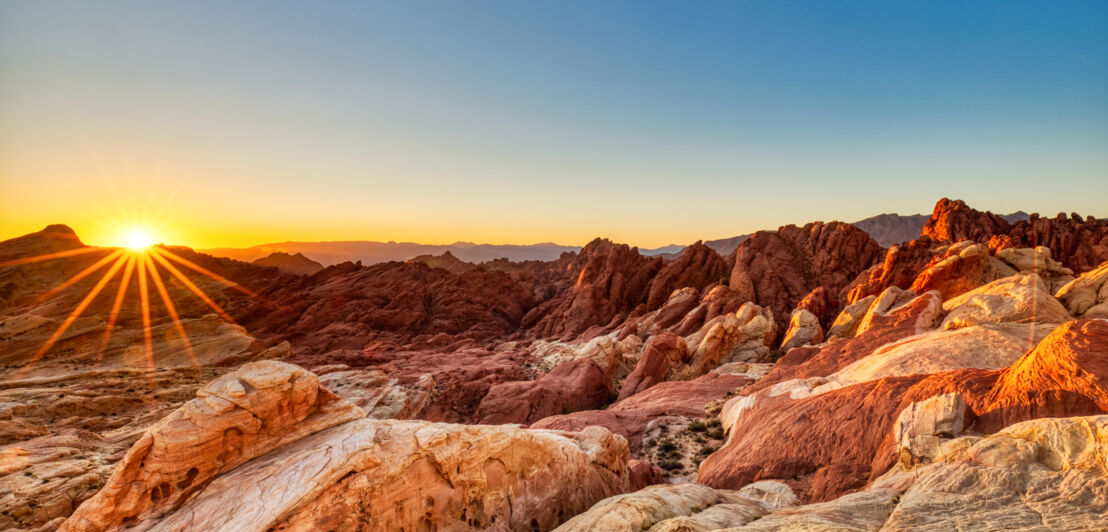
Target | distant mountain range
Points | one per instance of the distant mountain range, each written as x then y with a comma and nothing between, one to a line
887,229
329,253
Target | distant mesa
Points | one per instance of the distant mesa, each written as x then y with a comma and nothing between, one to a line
296,264
446,261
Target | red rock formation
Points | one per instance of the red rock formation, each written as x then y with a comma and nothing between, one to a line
961,268
461,377
777,269
575,385
352,307
612,282
659,356
954,221
629,417
901,266
820,303
841,438
697,266
1079,243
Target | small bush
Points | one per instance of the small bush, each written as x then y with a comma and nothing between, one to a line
667,446
697,426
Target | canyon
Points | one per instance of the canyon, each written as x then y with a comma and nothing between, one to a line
939,372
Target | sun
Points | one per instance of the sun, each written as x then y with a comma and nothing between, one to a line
137,240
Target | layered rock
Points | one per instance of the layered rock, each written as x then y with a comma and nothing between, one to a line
668,402
908,319
900,267
1037,260
237,417
683,507
390,305
1045,473
265,447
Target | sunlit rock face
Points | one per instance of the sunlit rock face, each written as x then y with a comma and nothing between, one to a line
266,447
1087,295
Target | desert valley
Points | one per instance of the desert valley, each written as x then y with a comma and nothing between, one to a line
812,379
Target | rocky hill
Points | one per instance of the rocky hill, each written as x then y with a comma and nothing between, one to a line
296,264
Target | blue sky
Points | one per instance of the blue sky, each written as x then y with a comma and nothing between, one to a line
648,122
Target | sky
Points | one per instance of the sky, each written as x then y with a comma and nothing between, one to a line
240,123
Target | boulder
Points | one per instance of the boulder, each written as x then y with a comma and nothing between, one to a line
1039,261
682,507
663,353
1021,298
1087,295
804,329
959,268
744,336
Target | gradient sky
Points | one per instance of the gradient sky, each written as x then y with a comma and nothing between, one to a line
240,123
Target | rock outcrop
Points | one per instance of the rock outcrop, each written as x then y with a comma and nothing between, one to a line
266,448
954,221
778,269
577,385
1021,298
611,281
697,266
296,264
660,357
804,329
235,418
1087,296
682,507
744,336
959,268
844,438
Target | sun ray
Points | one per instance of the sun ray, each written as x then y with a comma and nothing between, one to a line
50,256
169,307
79,275
188,263
157,254
75,314
124,282
144,301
